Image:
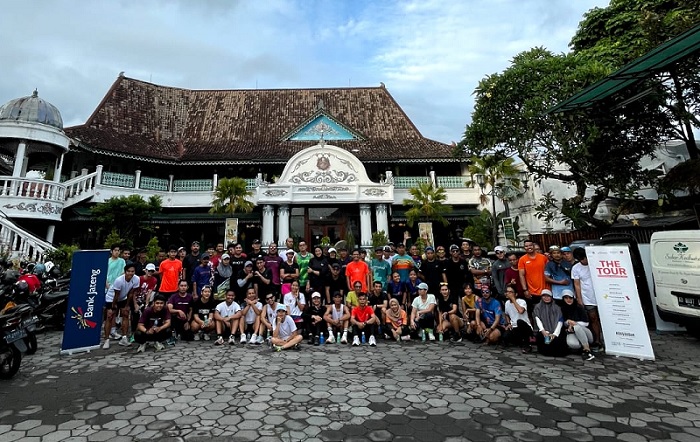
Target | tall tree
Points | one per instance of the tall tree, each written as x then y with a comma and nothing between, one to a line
628,29
598,151
231,196
427,203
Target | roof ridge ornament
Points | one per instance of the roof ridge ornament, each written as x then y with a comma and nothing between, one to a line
321,105
35,94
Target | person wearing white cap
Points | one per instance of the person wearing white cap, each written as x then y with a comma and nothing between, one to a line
313,318
549,323
285,334
423,313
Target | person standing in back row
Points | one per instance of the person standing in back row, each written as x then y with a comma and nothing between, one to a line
531,268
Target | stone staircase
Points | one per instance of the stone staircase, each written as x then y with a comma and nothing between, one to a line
17,243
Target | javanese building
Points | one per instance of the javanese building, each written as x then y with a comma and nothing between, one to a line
319,163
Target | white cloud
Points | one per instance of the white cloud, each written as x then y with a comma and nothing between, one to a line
429,53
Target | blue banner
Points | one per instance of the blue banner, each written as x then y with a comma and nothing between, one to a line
85,301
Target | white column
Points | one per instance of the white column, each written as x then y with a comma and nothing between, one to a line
57,169
137,181
50,232
268,224
365,226
282,224
382,218
19,159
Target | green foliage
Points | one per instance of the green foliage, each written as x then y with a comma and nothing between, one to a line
584,149
350,240
325,241
379,239
427,203
63,256
628,29
126,216
231,196
152,248
480,228
494,169
115,239
421,245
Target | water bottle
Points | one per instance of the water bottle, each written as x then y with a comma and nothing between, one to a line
322,340
363,337
547,339
440,337
337,339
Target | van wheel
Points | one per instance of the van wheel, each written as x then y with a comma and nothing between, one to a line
693,330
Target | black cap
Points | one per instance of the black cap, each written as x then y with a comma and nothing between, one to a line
257,241
335,265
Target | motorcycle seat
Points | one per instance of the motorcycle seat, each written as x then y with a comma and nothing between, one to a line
55,296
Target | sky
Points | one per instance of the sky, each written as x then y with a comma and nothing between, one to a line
430,54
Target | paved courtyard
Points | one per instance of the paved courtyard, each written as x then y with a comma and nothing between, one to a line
394,392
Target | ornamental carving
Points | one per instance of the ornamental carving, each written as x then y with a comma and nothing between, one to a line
324,177
275,192
45,209
323,188
374,192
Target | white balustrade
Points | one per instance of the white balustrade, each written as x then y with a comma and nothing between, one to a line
17,243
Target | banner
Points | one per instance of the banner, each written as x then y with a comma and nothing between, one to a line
231,231
621,316
85,301
425,232
509,229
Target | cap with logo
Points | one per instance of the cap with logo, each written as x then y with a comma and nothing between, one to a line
151,267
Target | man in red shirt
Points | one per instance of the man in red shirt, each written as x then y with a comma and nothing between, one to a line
364,321
358,271
170,272
531,269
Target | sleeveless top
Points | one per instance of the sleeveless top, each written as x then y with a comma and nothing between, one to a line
335,314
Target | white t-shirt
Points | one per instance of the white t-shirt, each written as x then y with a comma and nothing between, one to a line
291,303
513,314
287,327
250,314
123,286
583,274
226,310
418,303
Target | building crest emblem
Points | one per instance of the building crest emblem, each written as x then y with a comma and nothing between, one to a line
323,163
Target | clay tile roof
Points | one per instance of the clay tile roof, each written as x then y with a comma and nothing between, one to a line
141,119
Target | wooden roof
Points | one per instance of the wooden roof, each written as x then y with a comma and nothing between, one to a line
139,119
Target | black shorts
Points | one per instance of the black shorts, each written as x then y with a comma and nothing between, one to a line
120,305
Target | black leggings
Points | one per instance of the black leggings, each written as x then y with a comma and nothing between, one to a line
557,347
521,334
141,337
426,320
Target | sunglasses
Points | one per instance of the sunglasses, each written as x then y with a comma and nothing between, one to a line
269,298
442,284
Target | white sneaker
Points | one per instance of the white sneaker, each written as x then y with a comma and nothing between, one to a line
141,348
431,336
253,339
115,335
159,346
243,339
331,338
344,338
356,341
260,340
206,336
197,337
372,341
106,344
124,341
219,341
231,340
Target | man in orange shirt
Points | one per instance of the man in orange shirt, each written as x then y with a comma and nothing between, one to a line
531,270
358,271
170,271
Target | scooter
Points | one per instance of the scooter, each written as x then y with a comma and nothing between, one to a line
13,333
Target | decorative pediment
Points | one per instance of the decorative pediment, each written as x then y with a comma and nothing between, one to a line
322,127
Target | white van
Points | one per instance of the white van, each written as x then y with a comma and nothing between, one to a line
675,260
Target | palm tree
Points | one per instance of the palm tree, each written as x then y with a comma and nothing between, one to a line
427,203
491,171
231,196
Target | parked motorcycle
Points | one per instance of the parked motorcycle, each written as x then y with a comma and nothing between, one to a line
13,332
49,306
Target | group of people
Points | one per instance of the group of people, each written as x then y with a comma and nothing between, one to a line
285,294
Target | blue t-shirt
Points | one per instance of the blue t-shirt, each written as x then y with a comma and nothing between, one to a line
381,270
201,276
489,310
559,271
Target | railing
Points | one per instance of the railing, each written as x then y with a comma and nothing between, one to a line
193,185
406,182
32,188
118,179
19,243
80,188
251,183
148,183
451,182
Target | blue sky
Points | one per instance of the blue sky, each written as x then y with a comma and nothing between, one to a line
430,54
